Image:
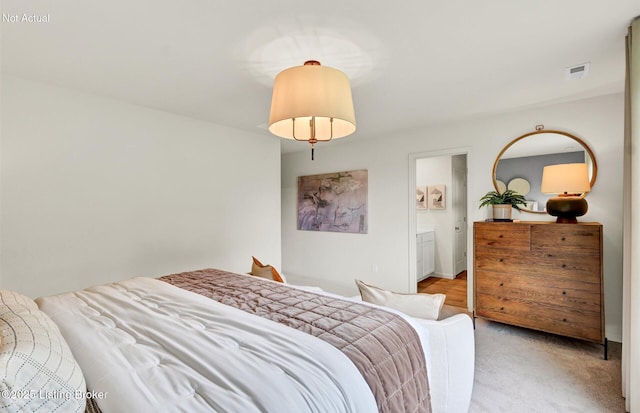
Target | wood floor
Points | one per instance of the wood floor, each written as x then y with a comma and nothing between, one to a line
455,290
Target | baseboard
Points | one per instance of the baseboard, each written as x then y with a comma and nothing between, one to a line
441,275
438,275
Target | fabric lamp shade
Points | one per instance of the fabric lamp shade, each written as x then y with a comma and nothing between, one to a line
312,103
570,178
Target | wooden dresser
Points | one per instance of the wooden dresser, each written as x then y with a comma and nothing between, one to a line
541,275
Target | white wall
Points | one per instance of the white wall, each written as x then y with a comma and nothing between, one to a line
433,171
95,190
333,260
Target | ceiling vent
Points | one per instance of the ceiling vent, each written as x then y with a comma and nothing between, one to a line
578,72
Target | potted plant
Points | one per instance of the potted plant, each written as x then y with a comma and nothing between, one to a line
502,203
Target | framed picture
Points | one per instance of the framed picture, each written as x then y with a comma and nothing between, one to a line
335,202
421,197
436,196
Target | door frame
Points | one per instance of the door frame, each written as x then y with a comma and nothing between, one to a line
413,217
463,261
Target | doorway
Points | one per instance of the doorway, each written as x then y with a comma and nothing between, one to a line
455,290
446,220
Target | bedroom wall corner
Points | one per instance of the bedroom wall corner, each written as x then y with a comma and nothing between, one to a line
95,190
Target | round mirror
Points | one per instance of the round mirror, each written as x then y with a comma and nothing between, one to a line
519,165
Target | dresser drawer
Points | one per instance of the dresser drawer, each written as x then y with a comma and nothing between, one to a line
502,235
555,266
568,266
571,322
503,260
539,289
566,238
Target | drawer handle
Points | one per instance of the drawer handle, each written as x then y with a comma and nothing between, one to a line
564,293
501,236
563,238
501,284
501,260
564,319
501,308
564,265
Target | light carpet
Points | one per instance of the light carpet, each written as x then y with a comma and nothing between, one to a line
521,370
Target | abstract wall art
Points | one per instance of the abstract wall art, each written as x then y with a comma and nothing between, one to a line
335,202
436,196
421,197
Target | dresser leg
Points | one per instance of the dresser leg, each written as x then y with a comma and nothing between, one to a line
473,319
606,349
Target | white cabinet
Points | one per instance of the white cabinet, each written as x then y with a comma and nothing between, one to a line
425,254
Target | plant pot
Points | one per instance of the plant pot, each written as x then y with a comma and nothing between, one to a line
502,212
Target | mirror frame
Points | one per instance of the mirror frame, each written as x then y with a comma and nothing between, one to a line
537,132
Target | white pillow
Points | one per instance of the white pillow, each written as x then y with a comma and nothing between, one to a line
38,371
420,305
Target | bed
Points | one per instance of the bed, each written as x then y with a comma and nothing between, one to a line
211,340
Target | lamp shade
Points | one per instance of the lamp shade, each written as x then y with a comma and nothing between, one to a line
312,95
570,178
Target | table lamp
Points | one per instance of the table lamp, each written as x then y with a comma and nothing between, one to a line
570,182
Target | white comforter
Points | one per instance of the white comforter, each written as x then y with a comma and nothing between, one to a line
153,347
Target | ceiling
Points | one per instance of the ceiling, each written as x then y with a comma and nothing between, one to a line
412,63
